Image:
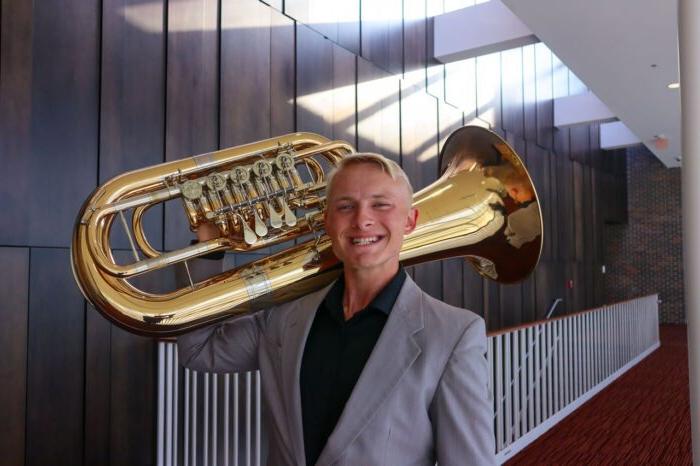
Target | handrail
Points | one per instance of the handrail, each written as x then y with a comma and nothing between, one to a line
500,331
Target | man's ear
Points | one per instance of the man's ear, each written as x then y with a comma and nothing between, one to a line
411,221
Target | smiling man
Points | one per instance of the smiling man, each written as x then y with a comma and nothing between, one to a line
370,370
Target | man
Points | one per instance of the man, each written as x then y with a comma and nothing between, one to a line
370,370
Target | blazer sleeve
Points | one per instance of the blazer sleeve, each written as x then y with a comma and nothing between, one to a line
461,411
230,346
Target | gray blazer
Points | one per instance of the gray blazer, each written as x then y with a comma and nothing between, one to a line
421,397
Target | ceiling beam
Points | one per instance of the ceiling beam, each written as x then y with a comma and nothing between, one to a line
616,135
478,30
580,109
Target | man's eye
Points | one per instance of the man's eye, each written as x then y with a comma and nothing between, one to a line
382,205
344,207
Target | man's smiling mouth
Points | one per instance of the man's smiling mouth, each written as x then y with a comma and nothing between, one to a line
365,241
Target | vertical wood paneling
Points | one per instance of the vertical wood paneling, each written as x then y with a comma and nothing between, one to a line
64,110
529,93
15,119
579,196
14,296
338,20
192,99
488,89
131,104
414,39
378,115
560,88
473,289
382,33
543,83
538,167
511,305
55,362
460,86
98,388
132,398
512,84
245,72
565,207
492,305
419,153
282,63
580,143
436,71
325,86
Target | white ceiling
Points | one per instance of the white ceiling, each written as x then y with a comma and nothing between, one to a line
611,46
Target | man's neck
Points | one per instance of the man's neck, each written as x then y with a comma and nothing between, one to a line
361,287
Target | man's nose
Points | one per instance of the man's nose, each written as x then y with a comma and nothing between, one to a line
363,218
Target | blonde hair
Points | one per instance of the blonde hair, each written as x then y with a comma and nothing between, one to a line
388,166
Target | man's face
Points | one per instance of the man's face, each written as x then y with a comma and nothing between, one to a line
367,217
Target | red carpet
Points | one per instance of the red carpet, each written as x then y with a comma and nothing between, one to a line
641,418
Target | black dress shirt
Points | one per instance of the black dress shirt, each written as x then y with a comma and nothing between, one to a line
335,354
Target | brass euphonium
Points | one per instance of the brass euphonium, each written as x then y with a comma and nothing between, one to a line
483,207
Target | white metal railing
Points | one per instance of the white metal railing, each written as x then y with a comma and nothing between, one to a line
539,374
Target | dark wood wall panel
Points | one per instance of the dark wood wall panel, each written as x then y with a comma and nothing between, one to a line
580,143
460,87
492,305
131,104
419,153
257,73
545,108
382,33
326,90
512,84
450,119
511,307
378,115
55,363
415,42
192,95
282,63
529,93
560,88
97,388
538,167
245,72
488,89
579,217
133,398
120,402
338,20
473,289
64,109
15,119
435,73
14,297
565,207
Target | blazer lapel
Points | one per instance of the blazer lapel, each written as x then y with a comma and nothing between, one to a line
293,341
395,351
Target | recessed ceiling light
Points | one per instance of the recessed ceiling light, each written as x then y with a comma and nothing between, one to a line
674,85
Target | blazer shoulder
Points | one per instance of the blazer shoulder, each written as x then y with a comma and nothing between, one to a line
446,314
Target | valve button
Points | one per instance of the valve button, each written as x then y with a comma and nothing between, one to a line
239,175
191,190
285,162
262,169
216,182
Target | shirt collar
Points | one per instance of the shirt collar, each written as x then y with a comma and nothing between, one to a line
384,301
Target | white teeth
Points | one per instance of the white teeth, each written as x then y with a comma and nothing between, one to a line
365,241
